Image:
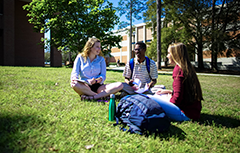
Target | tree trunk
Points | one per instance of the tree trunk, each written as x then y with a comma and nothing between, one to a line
130,33
159,9
214,52
200,56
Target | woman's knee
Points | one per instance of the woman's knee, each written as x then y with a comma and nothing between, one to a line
76,85
119,85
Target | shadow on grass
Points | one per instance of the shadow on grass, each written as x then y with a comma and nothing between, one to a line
114,70
173,132
13,132
219,121
165,74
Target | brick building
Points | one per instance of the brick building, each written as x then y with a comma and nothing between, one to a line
18,42
142,33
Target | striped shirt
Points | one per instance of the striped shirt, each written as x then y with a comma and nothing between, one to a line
140,71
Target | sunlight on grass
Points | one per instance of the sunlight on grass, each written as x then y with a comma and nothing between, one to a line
39,112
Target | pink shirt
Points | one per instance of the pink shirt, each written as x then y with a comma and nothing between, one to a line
190,110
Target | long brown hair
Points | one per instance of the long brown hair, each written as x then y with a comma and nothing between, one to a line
180,56
87,48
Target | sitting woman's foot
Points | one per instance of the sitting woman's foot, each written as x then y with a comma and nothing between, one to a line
86,97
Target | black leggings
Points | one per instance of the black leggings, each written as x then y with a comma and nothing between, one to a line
95,87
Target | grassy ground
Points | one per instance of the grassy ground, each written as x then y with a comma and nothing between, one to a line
39,112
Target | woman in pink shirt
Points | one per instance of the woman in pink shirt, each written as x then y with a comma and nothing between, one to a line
187,93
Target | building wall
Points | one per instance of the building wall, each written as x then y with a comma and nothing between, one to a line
1,47
148,34
1,32
27,50
8,32
141,33
18,42
145,34
234,53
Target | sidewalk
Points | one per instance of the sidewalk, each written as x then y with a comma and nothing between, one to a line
169,72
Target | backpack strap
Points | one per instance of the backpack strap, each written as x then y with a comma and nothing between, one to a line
131,63
148,65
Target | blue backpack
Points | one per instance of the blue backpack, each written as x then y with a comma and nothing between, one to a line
141,114
131,63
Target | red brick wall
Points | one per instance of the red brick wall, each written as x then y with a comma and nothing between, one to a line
1,47
55,57
27,50
8,32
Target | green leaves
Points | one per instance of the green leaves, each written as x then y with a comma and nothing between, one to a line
136,6
72,22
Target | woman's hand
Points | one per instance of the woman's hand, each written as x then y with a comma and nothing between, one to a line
94,81
99,80
73,81
163,91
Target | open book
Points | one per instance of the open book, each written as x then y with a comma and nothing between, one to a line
138,83
83,81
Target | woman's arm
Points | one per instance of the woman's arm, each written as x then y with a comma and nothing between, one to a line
76,68
178,88
163,91
102,74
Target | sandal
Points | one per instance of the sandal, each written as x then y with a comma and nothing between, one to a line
85,97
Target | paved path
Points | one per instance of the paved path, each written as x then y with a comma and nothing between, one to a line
170,72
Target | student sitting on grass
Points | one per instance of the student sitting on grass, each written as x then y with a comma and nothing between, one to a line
140,71
91,67
187,93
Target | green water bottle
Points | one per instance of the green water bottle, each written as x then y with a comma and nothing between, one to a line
112,108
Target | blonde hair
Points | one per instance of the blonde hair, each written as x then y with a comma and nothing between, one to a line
88,46
180,56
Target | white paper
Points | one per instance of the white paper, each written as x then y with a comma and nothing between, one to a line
137,82
142,90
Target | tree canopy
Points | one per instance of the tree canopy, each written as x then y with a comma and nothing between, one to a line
224,36
136,6
189,21
73,22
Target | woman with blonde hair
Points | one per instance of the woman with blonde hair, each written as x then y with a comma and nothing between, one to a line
91,68
187,93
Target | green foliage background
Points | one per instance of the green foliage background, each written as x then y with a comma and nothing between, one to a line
73,22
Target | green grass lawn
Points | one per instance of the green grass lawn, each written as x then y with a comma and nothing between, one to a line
39,112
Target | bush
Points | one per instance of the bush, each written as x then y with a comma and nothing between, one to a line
121,64
112,63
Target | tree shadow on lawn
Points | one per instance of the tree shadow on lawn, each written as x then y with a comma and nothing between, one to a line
219,121
14,132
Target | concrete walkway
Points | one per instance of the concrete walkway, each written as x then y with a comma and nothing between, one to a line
163,72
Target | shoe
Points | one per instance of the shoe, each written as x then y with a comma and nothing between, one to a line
86,97
123,94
